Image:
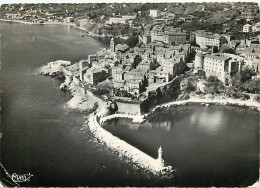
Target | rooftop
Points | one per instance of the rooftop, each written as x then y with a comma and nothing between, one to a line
122,47
74,67
119,81
218,57
134,81
208,34
93,70
144,63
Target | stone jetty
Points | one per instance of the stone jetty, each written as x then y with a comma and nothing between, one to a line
140,158
96,119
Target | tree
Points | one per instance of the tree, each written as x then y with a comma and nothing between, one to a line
132,41
236,80
212,79
242,21
230,91
257,98
202,74
215,85
229,51
252,86
190,86
247,74
159,93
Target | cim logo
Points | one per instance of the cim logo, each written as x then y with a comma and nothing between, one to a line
21,177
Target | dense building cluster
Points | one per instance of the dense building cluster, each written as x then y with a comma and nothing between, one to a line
169,35
157,61
167,40
225,65
134,69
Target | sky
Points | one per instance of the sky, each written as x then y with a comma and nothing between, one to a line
119,1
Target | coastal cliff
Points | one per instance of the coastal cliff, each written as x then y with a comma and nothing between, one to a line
79,101
85,100
162,94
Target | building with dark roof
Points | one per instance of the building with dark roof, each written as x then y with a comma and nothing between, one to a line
121,48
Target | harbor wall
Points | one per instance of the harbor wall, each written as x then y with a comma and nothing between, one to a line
128,108
138,157
166,93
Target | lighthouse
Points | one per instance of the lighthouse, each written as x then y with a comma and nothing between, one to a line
160,160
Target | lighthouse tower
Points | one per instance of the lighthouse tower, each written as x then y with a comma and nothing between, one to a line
160,160
112,45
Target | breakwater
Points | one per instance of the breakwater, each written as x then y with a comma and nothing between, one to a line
135,118
95,120
138,157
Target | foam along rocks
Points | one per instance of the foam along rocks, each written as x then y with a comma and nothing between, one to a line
80,103
54,67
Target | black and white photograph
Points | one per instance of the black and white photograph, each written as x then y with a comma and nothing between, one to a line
129,93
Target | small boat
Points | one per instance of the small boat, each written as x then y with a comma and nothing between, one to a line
205,104
33,38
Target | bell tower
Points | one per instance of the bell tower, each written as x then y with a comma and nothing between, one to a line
112,45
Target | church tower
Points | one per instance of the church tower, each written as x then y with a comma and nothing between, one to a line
112,45
81,70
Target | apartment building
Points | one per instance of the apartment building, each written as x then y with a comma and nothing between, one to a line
222,67
208,39
247,28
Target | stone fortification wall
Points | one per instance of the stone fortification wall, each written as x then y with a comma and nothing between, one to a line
162,94
128,108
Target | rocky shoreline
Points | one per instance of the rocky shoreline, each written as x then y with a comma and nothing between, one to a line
228,101
87,101
205,102
33,23
65,24
79,101
96,119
